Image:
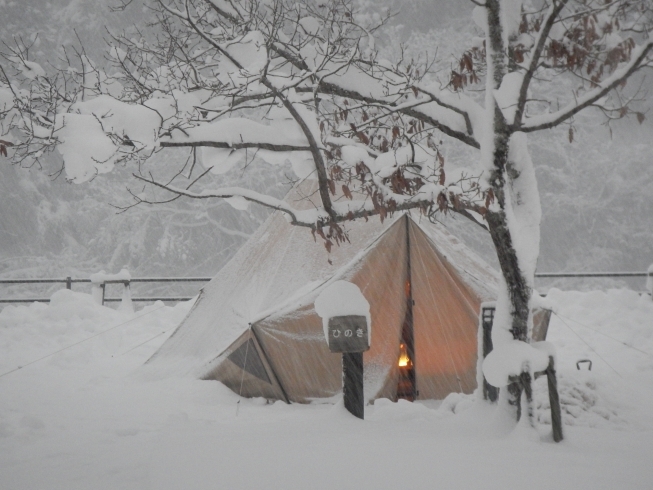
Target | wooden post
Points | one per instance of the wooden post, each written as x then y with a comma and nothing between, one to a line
126,289
69,282
103,287
554,401
526,387
352,383
349,335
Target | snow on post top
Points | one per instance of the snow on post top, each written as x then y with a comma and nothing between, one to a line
514,357
100,277
342,298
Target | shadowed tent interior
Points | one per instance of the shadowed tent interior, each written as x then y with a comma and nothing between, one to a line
255,329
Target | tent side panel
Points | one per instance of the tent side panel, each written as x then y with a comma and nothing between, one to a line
275,265
445,323
300,356
382,279
256,380
298,350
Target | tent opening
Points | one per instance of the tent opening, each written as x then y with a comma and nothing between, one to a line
406,387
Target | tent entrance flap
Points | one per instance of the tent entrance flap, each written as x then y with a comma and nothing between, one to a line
246,357
406,386
245,369
445,317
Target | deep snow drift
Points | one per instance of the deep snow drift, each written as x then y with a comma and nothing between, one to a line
92,416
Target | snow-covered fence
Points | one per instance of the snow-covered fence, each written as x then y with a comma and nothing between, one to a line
594,274
648,275
69,281
100,281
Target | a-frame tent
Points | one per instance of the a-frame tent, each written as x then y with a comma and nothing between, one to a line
254,327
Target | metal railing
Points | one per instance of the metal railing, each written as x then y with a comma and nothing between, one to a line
593,274
69,281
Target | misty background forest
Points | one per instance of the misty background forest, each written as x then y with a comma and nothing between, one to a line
596,191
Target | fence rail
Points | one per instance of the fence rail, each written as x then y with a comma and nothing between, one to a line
69,281
593,274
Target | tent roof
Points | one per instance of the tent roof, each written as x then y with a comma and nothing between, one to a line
281,268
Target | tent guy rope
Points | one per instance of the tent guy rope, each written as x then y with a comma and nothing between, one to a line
142,343
606,335
80,342
591,348
242,378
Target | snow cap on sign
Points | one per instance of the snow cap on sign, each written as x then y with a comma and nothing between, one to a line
342,298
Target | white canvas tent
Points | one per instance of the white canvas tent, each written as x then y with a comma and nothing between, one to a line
254,327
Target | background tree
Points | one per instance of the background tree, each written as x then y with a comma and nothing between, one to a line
237,82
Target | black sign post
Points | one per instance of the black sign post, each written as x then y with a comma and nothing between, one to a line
349,335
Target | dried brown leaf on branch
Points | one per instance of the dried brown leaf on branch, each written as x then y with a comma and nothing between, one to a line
383,212
442,202
3,147
489,198
363,137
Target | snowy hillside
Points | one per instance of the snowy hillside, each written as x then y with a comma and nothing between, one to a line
594,213
83,412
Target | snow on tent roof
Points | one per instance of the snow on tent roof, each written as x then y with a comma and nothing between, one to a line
274,278
279,264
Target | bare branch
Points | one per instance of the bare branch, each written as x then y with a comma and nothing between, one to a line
233,146
228,192
554,119
536,55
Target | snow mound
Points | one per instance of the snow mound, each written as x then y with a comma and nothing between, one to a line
28,333
581,403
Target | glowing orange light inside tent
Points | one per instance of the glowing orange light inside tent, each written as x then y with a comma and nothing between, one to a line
404,360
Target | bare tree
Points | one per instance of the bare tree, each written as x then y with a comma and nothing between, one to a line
280,81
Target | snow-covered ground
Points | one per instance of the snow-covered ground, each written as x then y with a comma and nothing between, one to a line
93,417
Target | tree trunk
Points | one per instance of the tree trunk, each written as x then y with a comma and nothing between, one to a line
518,288
519,291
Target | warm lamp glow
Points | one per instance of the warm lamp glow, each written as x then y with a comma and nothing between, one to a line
404,360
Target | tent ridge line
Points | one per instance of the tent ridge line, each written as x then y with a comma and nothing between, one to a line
410,313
